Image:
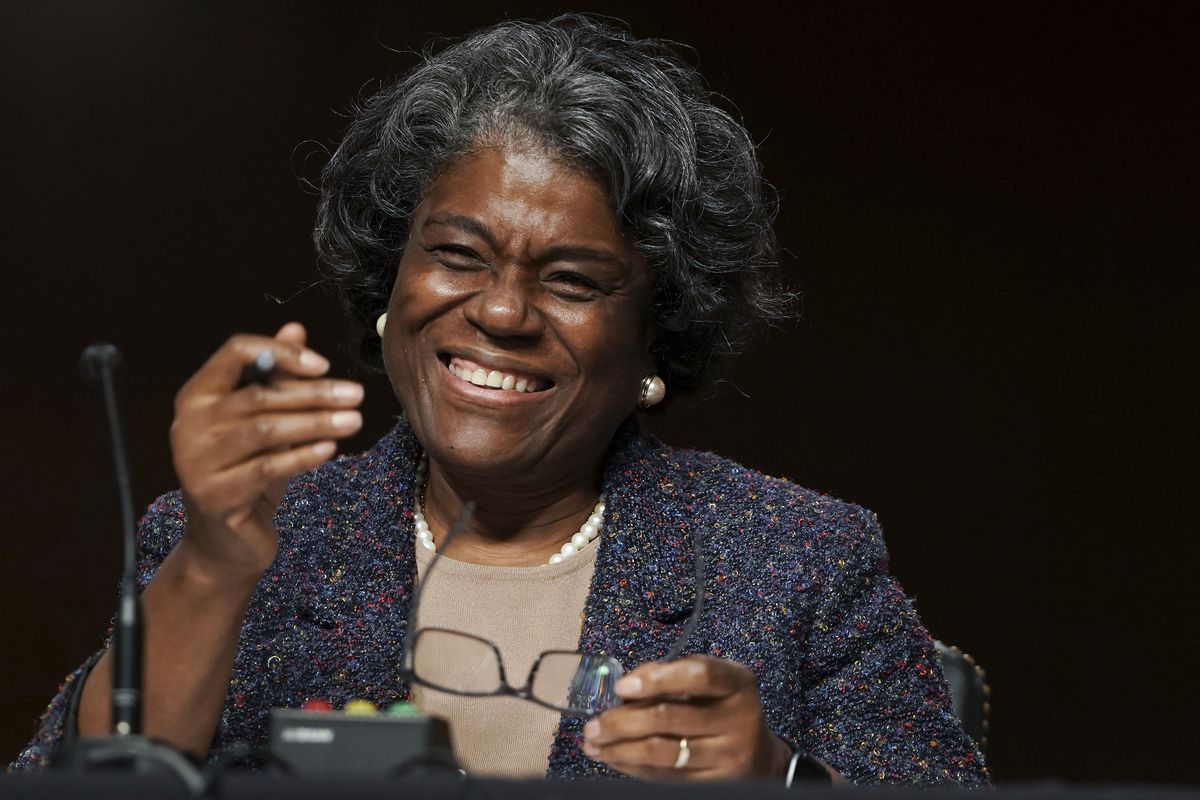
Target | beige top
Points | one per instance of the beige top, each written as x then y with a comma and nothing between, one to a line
524,611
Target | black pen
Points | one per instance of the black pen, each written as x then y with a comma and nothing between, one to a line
258,370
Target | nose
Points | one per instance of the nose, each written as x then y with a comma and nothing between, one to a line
505,307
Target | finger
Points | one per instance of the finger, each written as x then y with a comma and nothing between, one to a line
263,365
677,718
202,447
237,488
290,395
221,373
292,332
655,756
235,442
693,676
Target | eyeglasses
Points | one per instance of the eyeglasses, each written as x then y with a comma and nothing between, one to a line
459,663
579,684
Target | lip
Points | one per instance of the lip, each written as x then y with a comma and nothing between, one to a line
497,362
482,395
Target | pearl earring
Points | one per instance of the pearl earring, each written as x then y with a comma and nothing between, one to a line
653,391
380,324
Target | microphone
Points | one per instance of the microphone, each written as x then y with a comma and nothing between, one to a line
99,364
126,750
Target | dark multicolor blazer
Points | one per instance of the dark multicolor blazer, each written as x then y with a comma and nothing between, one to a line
796,589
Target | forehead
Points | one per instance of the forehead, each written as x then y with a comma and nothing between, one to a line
524,193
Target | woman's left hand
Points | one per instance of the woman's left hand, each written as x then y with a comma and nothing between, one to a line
710,702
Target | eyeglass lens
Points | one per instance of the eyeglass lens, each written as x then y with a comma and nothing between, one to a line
576,681
455,662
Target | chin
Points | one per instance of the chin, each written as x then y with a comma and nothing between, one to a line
482,448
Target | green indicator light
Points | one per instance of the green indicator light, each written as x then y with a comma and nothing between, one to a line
403,709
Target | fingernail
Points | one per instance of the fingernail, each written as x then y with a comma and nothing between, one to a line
346,419
324,449
350,392
592,729
630,684
312,360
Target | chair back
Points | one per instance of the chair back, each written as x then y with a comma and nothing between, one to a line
970,695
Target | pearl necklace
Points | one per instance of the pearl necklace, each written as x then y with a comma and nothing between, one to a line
588,532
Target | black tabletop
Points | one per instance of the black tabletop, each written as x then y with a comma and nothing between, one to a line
268,787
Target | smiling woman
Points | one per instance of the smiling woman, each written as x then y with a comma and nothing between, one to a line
541,229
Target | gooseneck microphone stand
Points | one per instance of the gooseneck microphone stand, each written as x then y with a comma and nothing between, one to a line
125,749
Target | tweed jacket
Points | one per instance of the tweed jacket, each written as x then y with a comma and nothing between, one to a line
796,588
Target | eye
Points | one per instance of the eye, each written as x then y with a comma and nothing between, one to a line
572,286
456,257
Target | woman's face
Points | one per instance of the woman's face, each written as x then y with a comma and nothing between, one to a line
517,274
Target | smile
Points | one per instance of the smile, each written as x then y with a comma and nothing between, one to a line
484,376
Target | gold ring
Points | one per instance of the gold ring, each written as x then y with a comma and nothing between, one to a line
685,753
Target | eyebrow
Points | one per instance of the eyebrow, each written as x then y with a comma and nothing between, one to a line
565,252
467,224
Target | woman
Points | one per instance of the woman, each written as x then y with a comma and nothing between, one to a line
543,228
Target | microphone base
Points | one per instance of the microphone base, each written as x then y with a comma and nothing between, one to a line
135,755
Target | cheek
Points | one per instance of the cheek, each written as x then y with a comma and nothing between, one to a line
407,313
618,354
420,294
406,296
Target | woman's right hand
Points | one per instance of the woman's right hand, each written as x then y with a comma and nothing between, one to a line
234,449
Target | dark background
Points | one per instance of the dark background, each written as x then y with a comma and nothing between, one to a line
992,213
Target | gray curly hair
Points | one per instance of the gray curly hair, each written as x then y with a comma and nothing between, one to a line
682,174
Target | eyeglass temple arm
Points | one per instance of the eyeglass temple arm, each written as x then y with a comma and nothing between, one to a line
464,516
697,608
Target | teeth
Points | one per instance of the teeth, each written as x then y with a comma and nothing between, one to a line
494,379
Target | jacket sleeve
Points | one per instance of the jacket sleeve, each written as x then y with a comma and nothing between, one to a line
158,532
876,705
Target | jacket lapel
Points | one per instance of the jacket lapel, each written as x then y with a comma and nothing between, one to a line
643,585
367,542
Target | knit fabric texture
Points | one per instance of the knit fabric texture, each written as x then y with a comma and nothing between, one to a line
796,588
